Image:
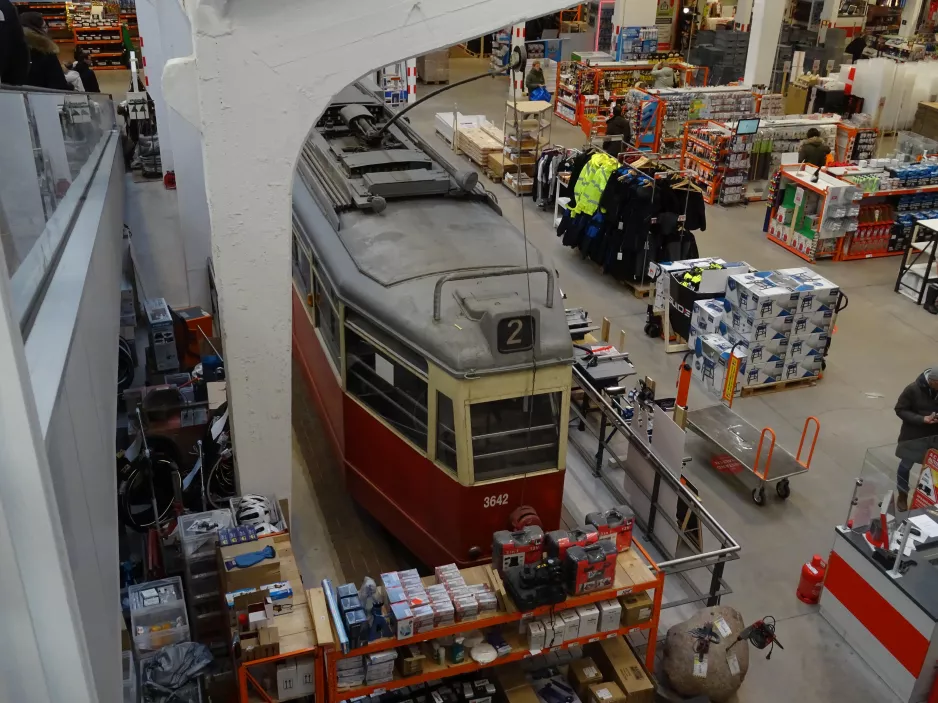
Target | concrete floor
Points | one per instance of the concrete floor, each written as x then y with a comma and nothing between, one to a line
883,341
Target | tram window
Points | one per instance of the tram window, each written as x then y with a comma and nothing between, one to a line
327,318
515,436
445,434
389,388
301,265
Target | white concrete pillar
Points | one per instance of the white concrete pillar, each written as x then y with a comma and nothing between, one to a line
767,18
412,80
743,18
265,74
910,17
829,14
631,13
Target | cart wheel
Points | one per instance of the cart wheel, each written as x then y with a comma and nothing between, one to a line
647,330
654,330
783,488
758,495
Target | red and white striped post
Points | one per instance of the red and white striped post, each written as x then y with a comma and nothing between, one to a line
517,39
412,80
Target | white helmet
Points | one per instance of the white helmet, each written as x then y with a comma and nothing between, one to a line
253,510
264,529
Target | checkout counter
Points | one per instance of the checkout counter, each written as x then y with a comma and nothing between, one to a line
889,615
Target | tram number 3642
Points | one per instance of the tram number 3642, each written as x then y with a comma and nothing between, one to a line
492,501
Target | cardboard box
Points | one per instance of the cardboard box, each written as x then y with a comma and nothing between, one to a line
714,357
126,641
794,370
571,621
619,664
286,679
814,322
521,694
749,328
305,676
808,351
589,620
560,630
636,608
583,674
761,374
535,632
550,637
814,292
511,676
605,693
761,294
708,314
610,615
262,573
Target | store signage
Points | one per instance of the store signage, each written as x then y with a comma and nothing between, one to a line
925,489
729,383
666,8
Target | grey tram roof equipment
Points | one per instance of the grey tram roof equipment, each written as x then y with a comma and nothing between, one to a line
389,220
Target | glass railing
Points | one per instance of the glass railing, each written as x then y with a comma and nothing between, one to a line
50,146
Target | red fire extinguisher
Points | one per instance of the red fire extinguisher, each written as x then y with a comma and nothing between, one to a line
812,580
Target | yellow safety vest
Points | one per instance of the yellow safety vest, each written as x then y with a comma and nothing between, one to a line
592,182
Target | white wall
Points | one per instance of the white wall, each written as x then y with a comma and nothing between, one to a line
72,358
265,72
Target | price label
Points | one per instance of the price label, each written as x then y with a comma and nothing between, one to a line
379,691
593,639
722,627
682,218
733,663
557,648
611,635
816,66
700,666
830,66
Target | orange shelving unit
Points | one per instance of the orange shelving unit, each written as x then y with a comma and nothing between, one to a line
636,572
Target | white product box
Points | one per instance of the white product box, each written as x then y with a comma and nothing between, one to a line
589,620
715,351
305,676
760,374
550,637
610,614
403,620
664,269
812,322
811,348
759,294
286,679
692,336
815,292
707,315
535,635
762,354
560,630
755,329
571,621
794,369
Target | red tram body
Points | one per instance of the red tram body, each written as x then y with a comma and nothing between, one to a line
441,427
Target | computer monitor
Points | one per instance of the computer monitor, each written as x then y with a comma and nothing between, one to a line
748,126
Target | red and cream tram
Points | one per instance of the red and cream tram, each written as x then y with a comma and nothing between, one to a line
444,384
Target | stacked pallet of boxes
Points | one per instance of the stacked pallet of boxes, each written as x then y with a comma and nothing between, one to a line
777,323
434,67
724,53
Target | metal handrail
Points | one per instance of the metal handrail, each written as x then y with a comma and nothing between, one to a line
729,546
37,89
466,276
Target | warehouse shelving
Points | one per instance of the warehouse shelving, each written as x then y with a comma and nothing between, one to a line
636,572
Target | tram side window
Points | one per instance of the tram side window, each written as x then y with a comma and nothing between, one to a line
394,392
301,266
327,318
445,432
515,436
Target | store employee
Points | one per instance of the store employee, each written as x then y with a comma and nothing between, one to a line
917,407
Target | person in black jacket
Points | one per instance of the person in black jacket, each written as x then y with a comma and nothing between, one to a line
88,79
917,407
856,47
615,126
14,56
45,71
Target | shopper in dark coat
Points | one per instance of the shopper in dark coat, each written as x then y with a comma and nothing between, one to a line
615,126
14,56
813,150
45,71
856,47
917,407
88,79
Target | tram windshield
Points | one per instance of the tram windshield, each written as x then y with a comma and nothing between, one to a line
515,436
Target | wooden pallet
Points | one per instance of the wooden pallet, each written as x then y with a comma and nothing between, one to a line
765,388
642,291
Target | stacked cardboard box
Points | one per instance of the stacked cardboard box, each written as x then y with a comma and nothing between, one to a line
433,67
777,323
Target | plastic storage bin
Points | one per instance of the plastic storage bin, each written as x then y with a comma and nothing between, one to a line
158,614
198,531
129,677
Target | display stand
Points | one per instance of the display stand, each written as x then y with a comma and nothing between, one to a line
703,152
303,632
53,14
526,123
99,34
636,572
917,268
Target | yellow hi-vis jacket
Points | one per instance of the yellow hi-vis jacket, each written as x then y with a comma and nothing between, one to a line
592,182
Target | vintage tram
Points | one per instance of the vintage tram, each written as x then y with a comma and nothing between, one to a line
432,336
